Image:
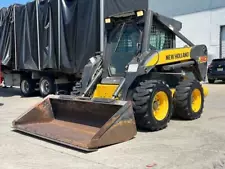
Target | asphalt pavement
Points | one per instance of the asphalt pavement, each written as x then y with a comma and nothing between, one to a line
198,144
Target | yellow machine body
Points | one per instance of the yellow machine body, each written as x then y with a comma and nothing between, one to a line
163,57
105,91
170,56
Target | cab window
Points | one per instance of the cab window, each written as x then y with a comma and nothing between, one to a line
160,37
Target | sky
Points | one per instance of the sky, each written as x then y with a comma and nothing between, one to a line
6,3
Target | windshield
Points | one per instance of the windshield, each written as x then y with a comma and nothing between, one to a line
219,61
122,44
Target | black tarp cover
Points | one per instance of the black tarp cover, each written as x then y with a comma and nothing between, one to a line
26,36
80,28
6,37
79,32
48,34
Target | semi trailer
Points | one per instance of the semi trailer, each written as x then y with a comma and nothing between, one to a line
45,44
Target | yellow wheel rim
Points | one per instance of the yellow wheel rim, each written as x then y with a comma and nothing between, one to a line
196,100
160,106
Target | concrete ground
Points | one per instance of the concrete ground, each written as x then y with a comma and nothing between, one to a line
196,144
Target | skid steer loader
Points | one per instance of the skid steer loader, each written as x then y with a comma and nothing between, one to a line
140,81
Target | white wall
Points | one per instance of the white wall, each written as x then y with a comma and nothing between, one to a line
217,20
203,28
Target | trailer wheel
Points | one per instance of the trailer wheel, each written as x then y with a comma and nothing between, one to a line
27,86
153,105
47,86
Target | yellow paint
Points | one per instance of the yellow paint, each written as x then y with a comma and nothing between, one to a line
206,91
196,100
160,106
170,56
105,91
153,61
173,92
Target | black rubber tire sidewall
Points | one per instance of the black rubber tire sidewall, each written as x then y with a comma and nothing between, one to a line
146,120
52,89
183,106
160,124
31,87
196,85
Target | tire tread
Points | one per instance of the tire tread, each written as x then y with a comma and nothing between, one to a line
141,98
182,96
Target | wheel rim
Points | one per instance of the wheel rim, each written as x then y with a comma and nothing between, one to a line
196,100
45,87
160,106
25,86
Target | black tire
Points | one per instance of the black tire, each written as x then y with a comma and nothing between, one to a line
143,98
183,100
47,86
27,86
211,81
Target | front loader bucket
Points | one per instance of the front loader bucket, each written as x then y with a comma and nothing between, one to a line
81,124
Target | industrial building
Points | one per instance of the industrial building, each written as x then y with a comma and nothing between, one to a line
203,21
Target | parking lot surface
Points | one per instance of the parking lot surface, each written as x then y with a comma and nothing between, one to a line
198,144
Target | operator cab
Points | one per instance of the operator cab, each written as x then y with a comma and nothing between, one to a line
125,34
